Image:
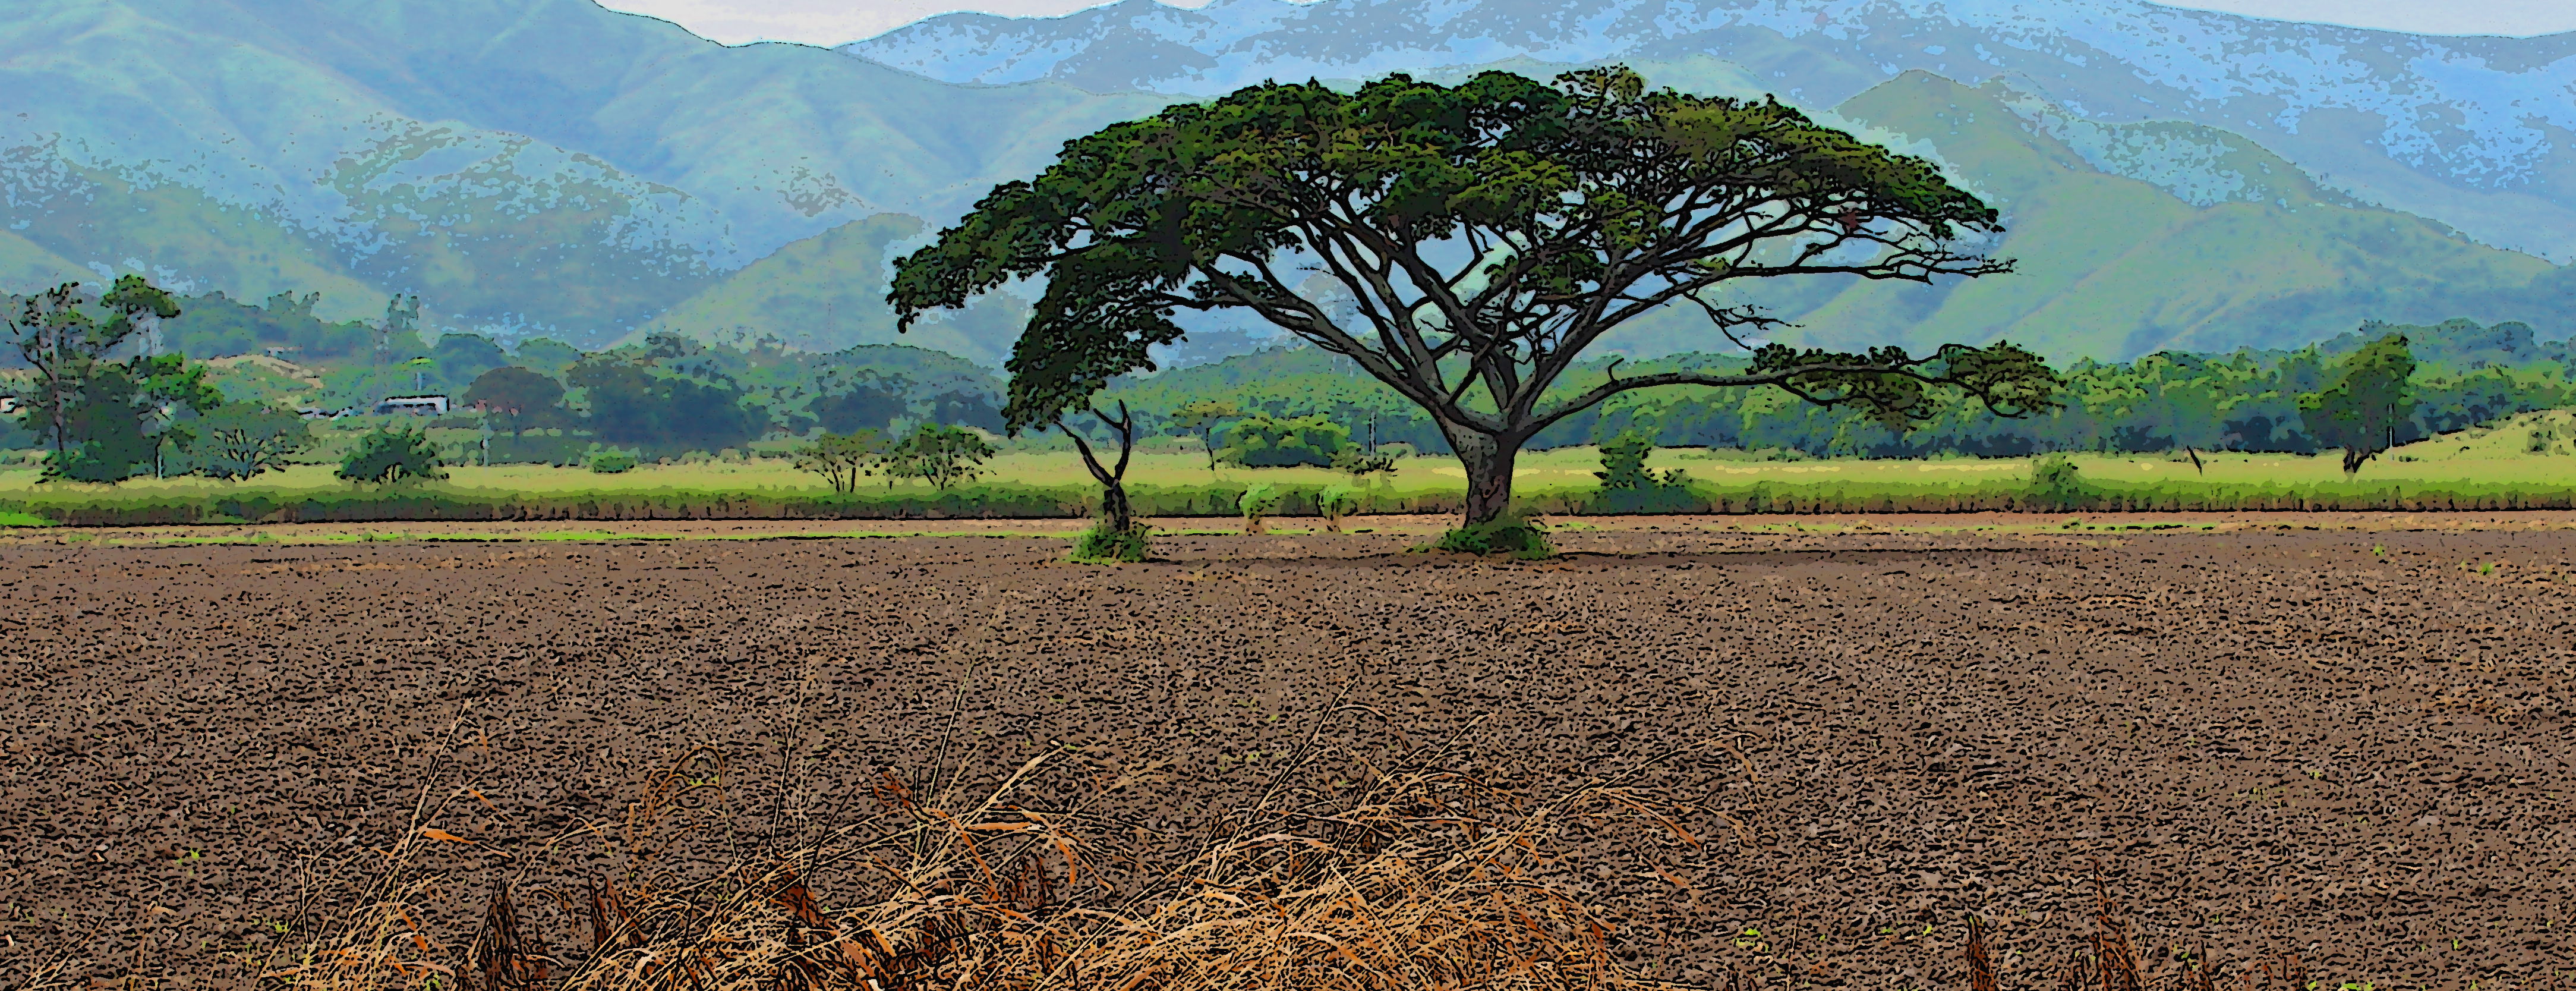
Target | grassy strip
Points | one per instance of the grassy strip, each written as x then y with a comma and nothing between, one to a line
437,501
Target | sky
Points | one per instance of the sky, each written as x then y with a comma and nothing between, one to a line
834,22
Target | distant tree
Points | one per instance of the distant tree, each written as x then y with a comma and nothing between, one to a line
461,358
516,394
1485,235
392,454
634,401
2369,397
1264,441
166,385
1201,418
102,418
965,409
239,440
842,458
941,455
868,402
1358,463
545,355
217,325
62,344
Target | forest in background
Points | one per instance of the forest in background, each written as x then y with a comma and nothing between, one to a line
669,395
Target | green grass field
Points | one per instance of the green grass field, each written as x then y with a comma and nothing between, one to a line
2526,462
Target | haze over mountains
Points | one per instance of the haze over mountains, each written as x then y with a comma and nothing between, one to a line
2474,132
2170,178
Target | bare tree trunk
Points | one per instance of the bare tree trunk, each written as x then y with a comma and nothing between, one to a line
1116,512
2352,459
1488,460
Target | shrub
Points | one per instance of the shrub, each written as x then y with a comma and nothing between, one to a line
1258,502
1336,502
1264,441
239,440
2056,484
387,455
1511,534
611,461
1105,544
1628,486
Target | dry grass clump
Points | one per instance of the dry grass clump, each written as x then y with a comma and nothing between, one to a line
1404,880
2110,962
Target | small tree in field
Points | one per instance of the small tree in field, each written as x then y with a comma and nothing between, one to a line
238,440
388,455
941,455
1476,240
842,458
1201,418
2369,398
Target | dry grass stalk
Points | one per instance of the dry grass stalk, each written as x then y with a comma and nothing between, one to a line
2113,963
1420,881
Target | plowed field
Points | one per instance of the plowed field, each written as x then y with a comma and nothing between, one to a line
2351,745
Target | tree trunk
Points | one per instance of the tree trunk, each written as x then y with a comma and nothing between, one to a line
1488,460
1115,511
2352,459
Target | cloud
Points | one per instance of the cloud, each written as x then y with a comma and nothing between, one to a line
2507,17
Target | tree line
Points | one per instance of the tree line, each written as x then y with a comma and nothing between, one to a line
112,385
2247,400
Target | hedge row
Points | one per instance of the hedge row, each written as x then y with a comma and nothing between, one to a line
437,501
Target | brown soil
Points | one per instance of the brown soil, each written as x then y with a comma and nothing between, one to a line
2350,745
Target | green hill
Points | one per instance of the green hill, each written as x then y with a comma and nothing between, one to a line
827,292
2113,267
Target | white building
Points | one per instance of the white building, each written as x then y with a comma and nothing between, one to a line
414,405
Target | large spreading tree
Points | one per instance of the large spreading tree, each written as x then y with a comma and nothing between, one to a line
2361,410
1467,245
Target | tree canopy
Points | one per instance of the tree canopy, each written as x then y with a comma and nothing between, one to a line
1465,245
2369,398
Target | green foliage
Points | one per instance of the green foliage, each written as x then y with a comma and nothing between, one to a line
2242,401
2369,398
611,461
391,455
2056,485
1337,502
1520,537
1628,486
941,455
1258,501
104,420
215,325
239,440
1264,441
1107,544
1360,464
1583,205
1201,418
521,397
842,458
666,397
861,403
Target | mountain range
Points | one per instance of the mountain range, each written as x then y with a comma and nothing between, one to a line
549,168
2474,132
